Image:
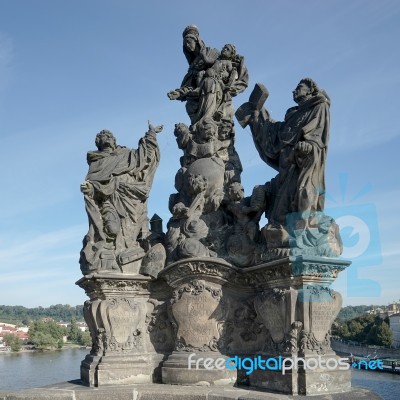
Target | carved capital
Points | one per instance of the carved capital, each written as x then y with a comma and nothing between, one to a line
96,285
212,269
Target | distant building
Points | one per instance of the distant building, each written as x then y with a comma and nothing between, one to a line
9,329
82,326
393,308
385,311
395,328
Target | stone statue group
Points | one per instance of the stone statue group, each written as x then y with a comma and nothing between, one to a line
215,284
211,216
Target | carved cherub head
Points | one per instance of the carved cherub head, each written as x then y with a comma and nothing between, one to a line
236,191
207,129
228,52
179,211
225,130
196,184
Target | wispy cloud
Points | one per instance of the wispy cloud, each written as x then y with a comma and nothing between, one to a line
41,269
29,248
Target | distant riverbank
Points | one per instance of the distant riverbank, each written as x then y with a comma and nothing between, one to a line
380,352
29,349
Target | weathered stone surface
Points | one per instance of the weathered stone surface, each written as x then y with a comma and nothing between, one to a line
74,390
127,325
35,394
201,220
320,382
229,289
304,382
198,311
115,191
281,308
175,371
296,148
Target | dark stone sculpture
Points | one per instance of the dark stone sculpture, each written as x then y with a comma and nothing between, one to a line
115,191
199,58
214,88
296,148
201,219
229,289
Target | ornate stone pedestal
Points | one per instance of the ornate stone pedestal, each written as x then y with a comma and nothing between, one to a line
198,310
116,317
280,312
297,308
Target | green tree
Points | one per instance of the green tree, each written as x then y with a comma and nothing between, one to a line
43,340
345,331
370,329
74,331
26,321
85,339
45,330
18,314
13,341
384,335
355,330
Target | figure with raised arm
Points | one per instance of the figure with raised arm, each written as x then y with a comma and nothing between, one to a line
116,189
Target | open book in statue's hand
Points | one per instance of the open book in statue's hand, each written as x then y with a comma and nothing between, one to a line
256,101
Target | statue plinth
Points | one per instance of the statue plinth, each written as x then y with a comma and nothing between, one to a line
280,310
117,314
198,309
297,308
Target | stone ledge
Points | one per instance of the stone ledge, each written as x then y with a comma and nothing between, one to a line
74,390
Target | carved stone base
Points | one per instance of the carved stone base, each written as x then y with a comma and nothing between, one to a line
199,369
198,310
274,381
118,370
145,331
283,308
118,318
323,382
331,378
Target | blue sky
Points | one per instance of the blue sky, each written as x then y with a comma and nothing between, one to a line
71,68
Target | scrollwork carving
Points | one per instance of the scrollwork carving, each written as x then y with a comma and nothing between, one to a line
309,342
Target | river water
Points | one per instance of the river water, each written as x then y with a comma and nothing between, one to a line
28,370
